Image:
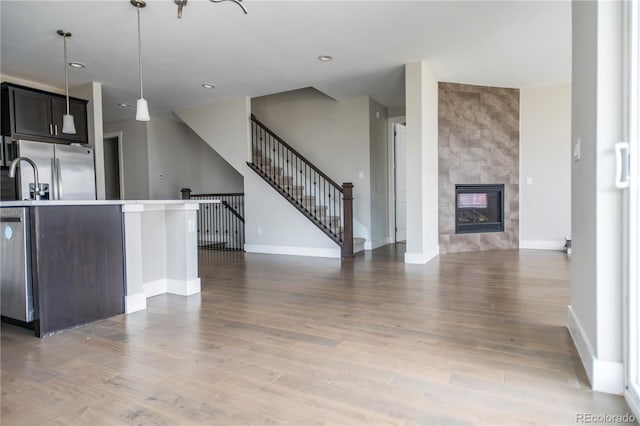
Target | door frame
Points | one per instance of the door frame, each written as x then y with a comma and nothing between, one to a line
631,273
391,155
118,135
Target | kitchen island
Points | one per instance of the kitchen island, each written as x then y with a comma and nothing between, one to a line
89,260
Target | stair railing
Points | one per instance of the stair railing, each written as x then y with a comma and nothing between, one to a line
328,205
220,220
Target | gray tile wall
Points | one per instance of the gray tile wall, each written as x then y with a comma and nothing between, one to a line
478,143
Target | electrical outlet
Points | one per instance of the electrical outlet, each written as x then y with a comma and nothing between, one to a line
577,150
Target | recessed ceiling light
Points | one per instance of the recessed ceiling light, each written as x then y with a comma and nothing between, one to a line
123,105
325,58
208,85
77,65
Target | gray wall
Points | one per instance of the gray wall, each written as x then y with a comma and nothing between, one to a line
135,167
179,158
595,315
583,173
421,94
478,144
164,155
334,135
545,159
379,167
272,225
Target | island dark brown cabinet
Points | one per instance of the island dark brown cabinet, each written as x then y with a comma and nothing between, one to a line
63,265
34,114
77,262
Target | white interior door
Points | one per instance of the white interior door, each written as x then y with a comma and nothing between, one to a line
400,150
632,392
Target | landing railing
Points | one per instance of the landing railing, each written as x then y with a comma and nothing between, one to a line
220,220
328,205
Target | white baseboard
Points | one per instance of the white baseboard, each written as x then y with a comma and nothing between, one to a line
542,244
293,251
632,403
378,243
422,257
135,302
154,288
605,376
183,288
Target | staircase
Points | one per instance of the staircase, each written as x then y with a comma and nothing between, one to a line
326,204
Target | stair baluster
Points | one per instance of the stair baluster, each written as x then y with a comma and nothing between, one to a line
328,205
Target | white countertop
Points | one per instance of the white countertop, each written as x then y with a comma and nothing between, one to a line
45,203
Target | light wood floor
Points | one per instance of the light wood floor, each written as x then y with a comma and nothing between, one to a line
475,338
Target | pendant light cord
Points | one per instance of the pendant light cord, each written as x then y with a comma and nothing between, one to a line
140,54
66,77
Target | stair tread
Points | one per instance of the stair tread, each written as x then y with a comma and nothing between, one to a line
312,206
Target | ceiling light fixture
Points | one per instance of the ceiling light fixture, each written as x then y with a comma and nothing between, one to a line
183,3
77,65
208,85
68,126
142,108
325,58
123,105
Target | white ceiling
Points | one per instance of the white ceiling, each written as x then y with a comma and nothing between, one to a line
275,47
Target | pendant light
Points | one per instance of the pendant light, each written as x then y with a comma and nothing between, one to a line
142,108
68,126
183,3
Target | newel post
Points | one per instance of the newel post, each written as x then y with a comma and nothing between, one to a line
347,238
186,193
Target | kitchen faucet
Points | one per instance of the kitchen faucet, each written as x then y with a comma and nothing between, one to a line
37,191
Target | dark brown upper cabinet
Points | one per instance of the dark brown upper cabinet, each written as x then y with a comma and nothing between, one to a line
35,114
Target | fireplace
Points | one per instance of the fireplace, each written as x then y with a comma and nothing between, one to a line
479,208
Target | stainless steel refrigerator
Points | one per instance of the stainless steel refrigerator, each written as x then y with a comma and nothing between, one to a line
67,172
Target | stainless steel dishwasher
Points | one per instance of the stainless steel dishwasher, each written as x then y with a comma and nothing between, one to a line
15,275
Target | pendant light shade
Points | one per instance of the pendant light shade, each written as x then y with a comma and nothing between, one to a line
142,108
68,126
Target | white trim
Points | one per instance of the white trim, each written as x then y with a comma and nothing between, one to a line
154,288
542,244
422,257
293,251
581,342
183,288
392,175
605,376
135,302
632,401
188,205
632,288
132,208
171,286
608,377
378,243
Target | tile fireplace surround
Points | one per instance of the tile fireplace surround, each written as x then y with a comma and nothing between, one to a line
478,143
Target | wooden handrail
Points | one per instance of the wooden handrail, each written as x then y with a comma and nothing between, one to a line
187,195
218,195
290,148
233,211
